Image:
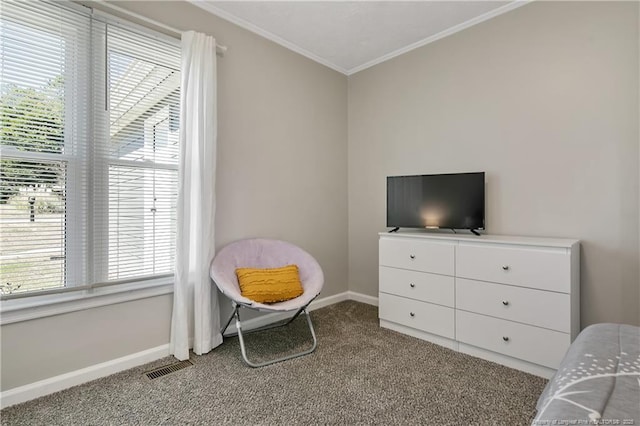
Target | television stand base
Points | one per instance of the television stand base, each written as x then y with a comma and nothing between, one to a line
395,229
474,232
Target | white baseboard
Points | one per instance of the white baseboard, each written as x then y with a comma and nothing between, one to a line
329,300
78,377
362,298
341,297
267,319
84,375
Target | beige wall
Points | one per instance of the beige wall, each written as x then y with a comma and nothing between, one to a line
282,173
545,100
47,347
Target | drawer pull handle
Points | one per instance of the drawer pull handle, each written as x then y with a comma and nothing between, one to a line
505,338
412,314
412,256
412,285
505,302
505,268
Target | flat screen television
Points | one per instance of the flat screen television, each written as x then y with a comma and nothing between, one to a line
453,201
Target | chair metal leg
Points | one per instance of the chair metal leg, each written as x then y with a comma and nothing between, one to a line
233,313
296,315
243,350
277,324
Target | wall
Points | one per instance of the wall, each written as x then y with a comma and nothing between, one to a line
281,173
47,347
545,100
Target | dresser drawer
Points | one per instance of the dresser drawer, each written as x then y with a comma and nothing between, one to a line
536,307
545,269
422,286
533,344
417,255
423,316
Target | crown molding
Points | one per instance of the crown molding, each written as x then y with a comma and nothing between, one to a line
442,34
209,7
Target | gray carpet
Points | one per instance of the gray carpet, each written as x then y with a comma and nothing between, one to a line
360,374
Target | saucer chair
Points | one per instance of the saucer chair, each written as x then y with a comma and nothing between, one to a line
266,253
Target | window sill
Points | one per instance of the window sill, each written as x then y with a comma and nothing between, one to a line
29,308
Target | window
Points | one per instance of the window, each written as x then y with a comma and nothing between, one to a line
89,119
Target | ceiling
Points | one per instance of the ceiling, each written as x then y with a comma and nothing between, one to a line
349,36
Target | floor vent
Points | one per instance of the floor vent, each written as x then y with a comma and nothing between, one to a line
168,369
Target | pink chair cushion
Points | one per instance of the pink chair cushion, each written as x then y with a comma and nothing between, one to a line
265,253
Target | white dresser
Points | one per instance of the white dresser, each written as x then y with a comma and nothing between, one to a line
511,300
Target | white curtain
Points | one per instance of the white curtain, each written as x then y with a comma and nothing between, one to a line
195,304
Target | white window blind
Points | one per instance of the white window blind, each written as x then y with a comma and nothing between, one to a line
142,153
89,118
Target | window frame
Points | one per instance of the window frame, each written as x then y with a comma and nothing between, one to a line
74,295
33,306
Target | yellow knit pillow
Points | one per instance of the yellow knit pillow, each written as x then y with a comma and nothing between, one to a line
270,285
